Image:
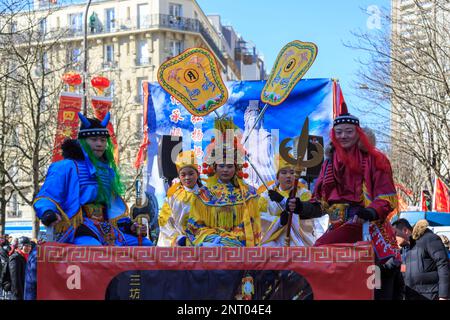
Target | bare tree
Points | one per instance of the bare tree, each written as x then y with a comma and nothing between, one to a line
33,89
407,84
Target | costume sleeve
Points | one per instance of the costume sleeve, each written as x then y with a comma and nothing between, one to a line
273,208
318,184
385,195
311,208
267,212
60,189
167,230
262,203
438,253
124,225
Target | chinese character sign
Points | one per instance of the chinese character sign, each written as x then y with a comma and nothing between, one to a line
194,79
69,106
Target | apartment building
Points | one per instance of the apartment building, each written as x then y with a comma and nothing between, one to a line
127,40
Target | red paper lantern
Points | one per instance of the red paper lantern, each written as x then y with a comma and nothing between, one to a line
72,78
100,83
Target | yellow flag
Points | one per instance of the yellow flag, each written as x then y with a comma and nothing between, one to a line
292,62
193,78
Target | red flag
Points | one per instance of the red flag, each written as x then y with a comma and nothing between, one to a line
426,200
142,152
339,105
441,197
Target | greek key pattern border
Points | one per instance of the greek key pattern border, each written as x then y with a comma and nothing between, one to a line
54,253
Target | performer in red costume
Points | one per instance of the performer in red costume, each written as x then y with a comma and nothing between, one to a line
355,186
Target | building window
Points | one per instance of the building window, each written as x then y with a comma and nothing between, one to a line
42,64
112,89
13,27
43,105
140,91
109,53
143,54
139,126
175,47
14,212
43,26
76,22
110,20
15,137
175,10
143,16
74,58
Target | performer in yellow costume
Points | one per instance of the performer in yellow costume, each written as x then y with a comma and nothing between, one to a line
181,200
232,218
305,229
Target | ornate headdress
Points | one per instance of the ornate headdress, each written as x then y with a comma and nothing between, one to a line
186,159
225,148
280,163
91,127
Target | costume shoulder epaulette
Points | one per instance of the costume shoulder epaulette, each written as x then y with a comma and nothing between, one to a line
173,188
262,188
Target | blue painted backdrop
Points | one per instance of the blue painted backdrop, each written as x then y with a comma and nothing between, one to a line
311,98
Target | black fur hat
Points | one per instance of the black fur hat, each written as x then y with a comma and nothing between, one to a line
93,127
346,118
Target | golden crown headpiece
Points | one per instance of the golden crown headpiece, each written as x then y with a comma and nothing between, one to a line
186,159
231,150
280,163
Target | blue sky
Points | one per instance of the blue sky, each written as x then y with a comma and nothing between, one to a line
271,24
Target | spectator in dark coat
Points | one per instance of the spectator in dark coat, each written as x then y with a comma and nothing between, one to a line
5,283
425,262
392,283
17,266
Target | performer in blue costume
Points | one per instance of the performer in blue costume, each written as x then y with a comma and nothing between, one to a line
81,197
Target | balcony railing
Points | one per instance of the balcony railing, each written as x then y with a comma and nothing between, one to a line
109,65
143,61
154,21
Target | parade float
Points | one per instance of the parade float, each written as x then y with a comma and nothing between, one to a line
179,113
